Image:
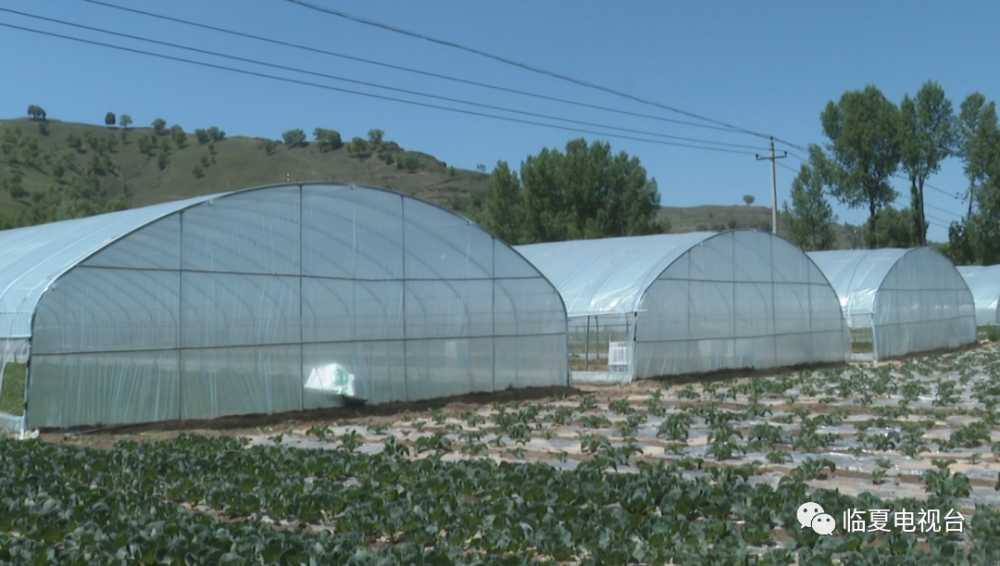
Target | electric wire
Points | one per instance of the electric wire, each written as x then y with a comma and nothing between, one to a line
364,94
404,68
940,223
531,68
902,178
375,85
723,125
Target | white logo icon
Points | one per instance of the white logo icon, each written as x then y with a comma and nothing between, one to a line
813,516
823,524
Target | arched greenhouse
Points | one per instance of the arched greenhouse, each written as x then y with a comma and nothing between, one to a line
984,283
266,300
901,301
675,304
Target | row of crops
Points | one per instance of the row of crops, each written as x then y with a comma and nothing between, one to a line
68,505
696,474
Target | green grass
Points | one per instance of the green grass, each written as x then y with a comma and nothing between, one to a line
862,341
12,390
238,162
989,333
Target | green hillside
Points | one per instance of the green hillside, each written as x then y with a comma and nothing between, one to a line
52,170
38,158
716,218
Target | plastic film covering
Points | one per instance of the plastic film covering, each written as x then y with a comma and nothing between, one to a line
913,300
742,299
703,301
247,303
32,257
609,275
984,282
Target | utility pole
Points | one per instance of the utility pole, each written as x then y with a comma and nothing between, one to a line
774,186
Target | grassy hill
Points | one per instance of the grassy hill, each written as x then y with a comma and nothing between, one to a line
716,217
50,162
235,163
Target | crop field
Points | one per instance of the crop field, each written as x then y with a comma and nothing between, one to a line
654,473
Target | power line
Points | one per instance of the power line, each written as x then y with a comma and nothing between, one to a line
939,209
955,196
900,177
375,85
783,166
527,67
405,69
359,93
942,223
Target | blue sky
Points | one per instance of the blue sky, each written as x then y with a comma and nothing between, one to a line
768,67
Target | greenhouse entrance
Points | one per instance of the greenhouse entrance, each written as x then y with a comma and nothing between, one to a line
600,347
13,369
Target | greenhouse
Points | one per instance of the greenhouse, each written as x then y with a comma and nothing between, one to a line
984,283
900,301
674,304
267,300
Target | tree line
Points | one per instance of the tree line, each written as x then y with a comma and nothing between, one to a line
871,140
589,191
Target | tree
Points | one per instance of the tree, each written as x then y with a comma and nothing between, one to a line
973,239
93,141
160,126
163,160
928,135
125,121
375,137
74,142
587,193
145,145
979,142
120,202
96,166
178,135
409,162
864,145
294,138
358,146
807,222
109,119
36,112
198,171
481,168
327,140
43,128
268,146
895,228
202,135
216,134
749,199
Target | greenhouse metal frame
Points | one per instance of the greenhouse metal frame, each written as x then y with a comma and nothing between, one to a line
902,301
675,304
984,283
268,300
